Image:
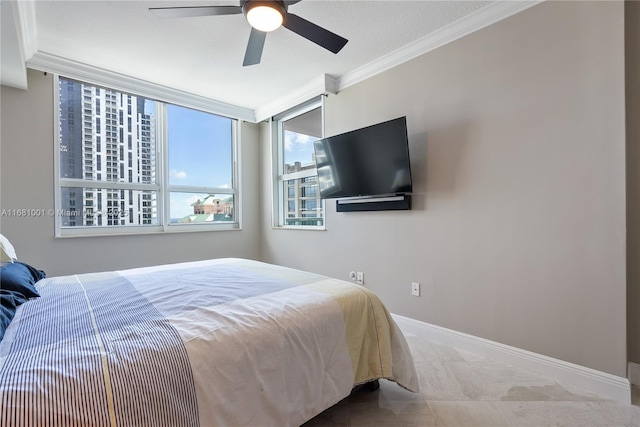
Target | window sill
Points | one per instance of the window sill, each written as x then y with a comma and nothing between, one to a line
136,231
299,227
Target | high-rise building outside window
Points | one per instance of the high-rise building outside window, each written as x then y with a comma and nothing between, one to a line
127,163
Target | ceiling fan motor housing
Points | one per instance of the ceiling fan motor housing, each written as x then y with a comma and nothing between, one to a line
276,5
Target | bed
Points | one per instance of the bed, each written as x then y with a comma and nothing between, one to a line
223,342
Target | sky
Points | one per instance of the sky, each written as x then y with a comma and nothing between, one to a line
298,147
195,136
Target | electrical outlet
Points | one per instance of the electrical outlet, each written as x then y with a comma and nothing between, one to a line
353,276
415,289
360,278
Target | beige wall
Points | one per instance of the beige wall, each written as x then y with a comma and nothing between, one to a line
26,181
632,39
517,143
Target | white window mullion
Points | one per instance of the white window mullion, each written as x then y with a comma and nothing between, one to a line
116,185
236,181
194,189
274,173
280,170
162,167
297,175
56,155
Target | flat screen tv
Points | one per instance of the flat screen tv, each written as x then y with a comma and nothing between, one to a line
368,162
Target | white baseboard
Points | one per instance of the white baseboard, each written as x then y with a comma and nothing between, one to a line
593,381
634,374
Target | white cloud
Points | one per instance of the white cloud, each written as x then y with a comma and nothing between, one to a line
178,174
292,138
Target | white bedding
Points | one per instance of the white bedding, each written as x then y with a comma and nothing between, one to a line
224,342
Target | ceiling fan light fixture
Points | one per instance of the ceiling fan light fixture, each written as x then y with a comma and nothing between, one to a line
264,15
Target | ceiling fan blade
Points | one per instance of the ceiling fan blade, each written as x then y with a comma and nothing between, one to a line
290,2
191,11
315,33
254,47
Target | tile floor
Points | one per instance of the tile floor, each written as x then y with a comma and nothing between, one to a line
463,389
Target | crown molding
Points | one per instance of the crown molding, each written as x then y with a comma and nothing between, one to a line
27,22
43,61
18,41
322,85
484,17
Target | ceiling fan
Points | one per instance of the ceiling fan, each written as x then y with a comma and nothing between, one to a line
263,16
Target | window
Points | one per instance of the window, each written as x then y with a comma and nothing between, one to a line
165,167
296,197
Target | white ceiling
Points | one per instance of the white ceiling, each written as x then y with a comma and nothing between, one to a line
203,55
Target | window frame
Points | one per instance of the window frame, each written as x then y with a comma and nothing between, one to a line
279,178
161,186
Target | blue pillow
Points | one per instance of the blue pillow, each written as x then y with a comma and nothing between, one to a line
20,277
9,302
